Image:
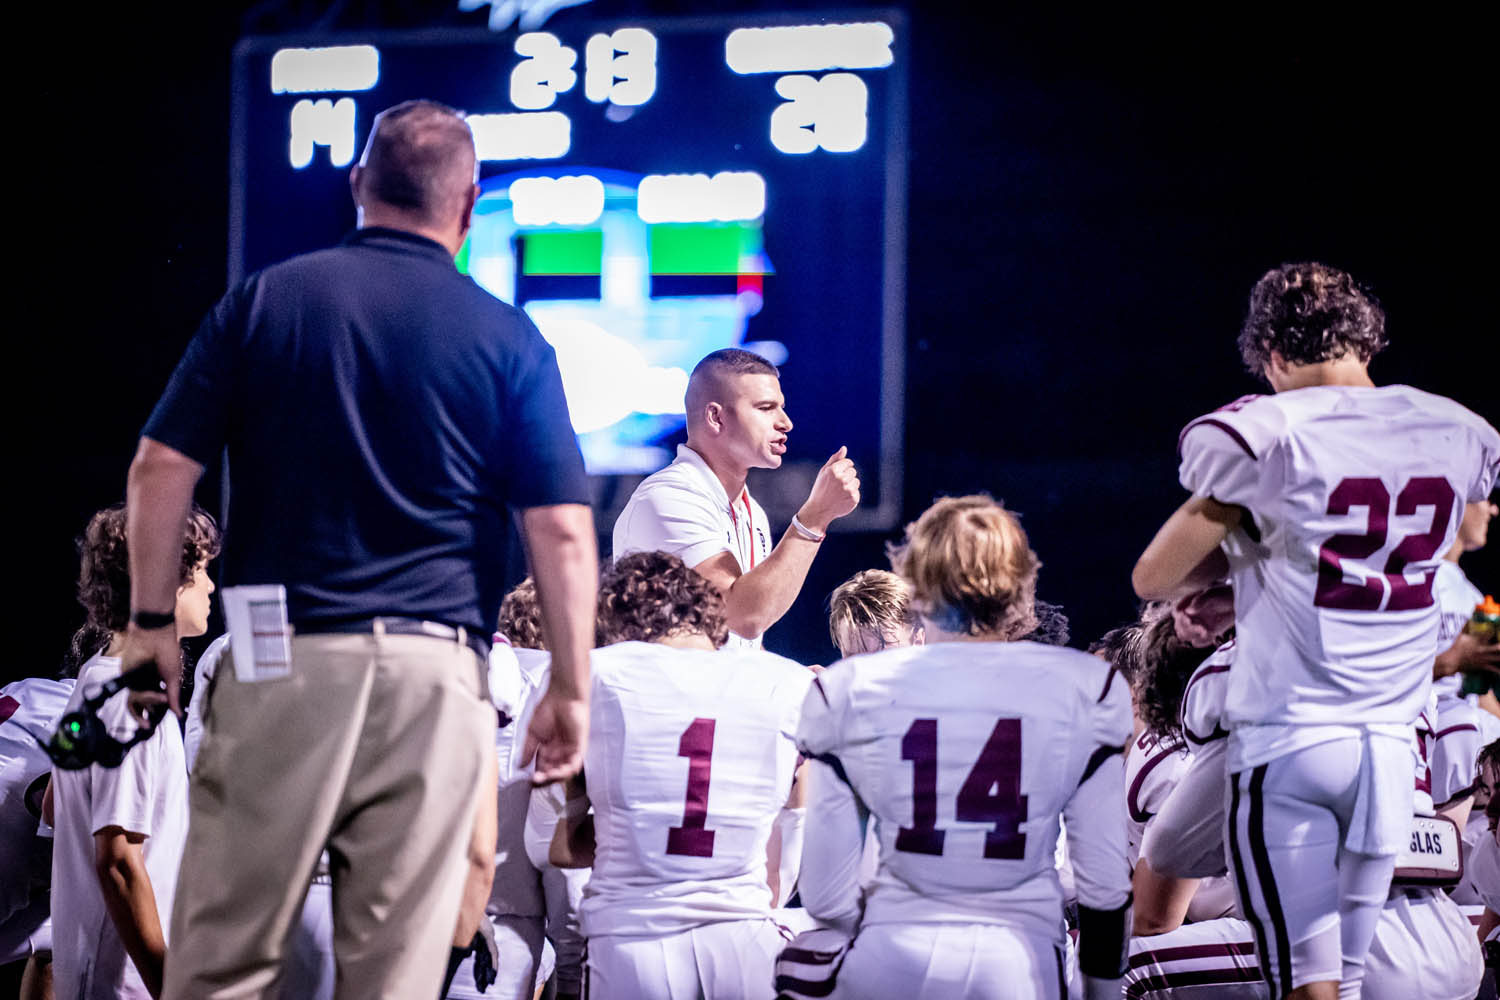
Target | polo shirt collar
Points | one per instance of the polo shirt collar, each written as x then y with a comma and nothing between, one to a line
400,240
691,457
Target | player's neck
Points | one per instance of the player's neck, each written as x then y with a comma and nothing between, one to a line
935,634
687,640
730,476
387,217
116,644
1340,371
1454,551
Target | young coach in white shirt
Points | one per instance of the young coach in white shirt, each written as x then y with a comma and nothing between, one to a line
699,510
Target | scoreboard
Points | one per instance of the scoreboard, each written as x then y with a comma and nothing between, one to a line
652,190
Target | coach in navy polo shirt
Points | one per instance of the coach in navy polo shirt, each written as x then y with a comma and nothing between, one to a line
381,414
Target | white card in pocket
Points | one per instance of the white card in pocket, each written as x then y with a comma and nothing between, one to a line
259,635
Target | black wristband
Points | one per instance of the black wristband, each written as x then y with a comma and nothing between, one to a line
153,620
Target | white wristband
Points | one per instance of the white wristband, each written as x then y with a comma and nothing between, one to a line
805,531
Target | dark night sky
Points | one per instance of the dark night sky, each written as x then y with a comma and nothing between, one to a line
1090,201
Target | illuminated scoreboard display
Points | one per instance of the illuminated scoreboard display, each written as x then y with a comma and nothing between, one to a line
652,190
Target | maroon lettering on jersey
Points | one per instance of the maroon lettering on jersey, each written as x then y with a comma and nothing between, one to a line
8,707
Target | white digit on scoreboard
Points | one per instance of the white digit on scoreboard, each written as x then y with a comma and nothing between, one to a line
621,67
828,113
545,72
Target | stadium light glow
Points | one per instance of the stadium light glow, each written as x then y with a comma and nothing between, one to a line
536,135
322,123
335,68
828,113
809,48
564,201
730,196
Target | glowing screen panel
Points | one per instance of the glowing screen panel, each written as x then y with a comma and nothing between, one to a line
652,191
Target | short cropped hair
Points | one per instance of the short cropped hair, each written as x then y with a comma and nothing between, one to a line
104,574
420,157
872,600
521,617
1309,313
650,596
710,374
970,567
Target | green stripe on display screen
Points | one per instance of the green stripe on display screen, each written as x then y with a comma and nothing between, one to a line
563,251
700,248
462,260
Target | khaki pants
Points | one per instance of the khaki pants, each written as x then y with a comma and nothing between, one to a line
373,747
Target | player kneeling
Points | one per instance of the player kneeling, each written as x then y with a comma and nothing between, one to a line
690,760
966,751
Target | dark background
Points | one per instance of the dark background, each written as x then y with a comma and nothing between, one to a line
1091,199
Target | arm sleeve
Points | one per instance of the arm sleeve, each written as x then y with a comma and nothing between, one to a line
563,888
675,520
192,415
832,849
1186,838
819,726
542,816
1488,472
544,462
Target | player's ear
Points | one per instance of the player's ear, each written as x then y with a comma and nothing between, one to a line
713,416
354,175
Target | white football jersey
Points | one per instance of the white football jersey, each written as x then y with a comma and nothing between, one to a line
1203,699
691,757
1456,742
1353,494
966,754
29,710
1151,772
1456,597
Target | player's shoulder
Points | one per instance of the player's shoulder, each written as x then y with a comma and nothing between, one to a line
1204,697
1442,407
29,689
1250,424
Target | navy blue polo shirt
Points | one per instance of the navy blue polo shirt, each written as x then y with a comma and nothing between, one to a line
381,413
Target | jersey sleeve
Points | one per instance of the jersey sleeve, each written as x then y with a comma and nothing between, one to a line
820,723
671,519
122,796
1222,455
1202,712
1487,471
1095,814
1455,749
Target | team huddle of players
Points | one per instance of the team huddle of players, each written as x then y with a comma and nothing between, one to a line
1258,789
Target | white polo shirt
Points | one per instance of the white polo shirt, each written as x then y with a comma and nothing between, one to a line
683,510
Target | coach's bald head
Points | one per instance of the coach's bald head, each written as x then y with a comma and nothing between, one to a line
418,172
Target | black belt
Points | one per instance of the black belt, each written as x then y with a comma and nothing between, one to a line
480,644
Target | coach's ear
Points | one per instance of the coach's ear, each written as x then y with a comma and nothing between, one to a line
713,416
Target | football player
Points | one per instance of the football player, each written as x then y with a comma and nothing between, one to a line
690,760
1334,501
965,752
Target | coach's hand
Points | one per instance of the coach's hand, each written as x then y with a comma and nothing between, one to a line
558,736
158,646
834,493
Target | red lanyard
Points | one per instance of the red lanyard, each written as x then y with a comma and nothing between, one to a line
749,524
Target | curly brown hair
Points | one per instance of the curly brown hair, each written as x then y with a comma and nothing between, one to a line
650,596
970,567
1164,665
521,617
104,574
1308,313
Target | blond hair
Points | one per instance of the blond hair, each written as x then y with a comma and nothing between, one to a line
872,600
970,567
